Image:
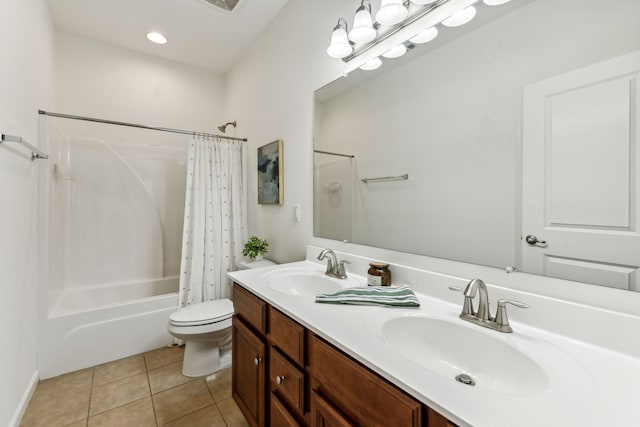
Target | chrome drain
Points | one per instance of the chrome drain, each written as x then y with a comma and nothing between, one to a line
465,379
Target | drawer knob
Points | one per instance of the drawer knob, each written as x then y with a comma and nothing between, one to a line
280,379
257,361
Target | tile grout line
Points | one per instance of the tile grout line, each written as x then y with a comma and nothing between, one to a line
93,376
153,405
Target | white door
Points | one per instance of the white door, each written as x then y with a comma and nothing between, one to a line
581,183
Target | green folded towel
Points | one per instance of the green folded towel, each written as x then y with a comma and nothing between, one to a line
394,296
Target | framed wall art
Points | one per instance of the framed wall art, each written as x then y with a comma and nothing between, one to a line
270,173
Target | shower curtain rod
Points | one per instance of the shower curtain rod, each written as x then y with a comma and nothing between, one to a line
133,125
334,154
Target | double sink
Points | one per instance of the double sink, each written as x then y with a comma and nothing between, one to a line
434,338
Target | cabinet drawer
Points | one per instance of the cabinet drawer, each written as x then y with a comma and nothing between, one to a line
280,417
434,419
323,414
250,308
287,335
286,381
362,396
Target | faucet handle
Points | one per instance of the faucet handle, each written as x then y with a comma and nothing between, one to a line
502,321
455,289
340,271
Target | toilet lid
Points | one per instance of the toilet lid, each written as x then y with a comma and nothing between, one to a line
203,313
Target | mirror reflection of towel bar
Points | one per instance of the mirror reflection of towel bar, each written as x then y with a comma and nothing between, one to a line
387,178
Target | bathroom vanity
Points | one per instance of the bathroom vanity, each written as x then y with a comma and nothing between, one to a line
297,362
285,375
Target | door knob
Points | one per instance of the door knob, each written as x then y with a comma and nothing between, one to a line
280,379
533,240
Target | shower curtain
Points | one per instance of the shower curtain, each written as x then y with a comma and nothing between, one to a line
215,224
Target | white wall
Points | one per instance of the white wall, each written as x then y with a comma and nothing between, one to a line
99,80
270,92
26,85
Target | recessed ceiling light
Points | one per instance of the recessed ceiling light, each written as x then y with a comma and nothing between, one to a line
157,38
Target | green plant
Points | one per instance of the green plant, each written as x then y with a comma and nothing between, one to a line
255,246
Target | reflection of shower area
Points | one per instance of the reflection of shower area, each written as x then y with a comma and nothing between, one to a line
333,196
115,216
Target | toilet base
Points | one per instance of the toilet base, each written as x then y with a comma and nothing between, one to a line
203,358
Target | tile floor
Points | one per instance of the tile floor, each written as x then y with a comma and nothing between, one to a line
143,390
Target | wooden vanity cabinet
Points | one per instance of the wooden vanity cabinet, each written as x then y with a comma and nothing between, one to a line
287,368
249,356
284,375
360,395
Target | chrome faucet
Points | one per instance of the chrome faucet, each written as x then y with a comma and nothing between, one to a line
482,316
335,268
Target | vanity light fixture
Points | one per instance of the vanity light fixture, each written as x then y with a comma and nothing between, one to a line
396,51
461,17
391,12
340,46
372,64
363,31
400,25
156,38
425,36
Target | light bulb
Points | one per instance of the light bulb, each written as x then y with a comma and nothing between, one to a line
362,31
391,12
425,36
495,2
371,64
157,38
461,17
339,47
395,52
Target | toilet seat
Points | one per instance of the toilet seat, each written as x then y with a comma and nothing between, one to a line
204,313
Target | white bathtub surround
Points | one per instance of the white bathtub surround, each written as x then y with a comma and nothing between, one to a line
89,327
214,220
587,362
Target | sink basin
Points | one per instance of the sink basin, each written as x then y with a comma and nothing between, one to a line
303,281
450,348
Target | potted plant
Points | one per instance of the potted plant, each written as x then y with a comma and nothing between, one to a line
255,248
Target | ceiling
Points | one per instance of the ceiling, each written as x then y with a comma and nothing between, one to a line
199,33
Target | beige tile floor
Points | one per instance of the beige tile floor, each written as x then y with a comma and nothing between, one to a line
143,390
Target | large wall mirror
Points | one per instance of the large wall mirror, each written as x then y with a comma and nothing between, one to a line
525,124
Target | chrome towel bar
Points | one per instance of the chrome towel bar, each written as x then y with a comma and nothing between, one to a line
387,178
35,153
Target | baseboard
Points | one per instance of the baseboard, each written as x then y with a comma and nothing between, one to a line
24,402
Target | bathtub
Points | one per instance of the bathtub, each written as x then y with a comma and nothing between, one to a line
90,326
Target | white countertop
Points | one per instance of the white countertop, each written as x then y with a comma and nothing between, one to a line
588,385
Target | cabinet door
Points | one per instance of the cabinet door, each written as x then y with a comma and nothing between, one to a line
280,417
324,415
248,373
361,395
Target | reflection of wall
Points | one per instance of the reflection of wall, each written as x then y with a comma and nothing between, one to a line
451,120
333,199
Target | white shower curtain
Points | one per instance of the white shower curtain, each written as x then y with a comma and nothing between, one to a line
215,226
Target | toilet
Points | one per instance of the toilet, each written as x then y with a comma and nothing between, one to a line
206,329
